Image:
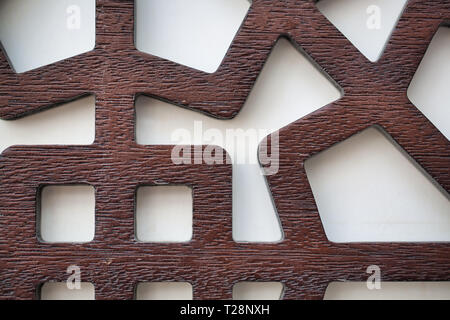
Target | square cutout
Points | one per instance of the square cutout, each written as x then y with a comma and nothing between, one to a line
60,291
66,213
395,290
164,214
164,291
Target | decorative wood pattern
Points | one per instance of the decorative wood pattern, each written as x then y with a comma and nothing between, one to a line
305,261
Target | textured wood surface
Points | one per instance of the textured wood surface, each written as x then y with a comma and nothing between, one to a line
305,261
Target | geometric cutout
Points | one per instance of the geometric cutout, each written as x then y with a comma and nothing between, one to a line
258,291
72,123
164,291
288,88
192,33
367,24
429,88
60,291
394,290
164,214
66,214
37,33
368,189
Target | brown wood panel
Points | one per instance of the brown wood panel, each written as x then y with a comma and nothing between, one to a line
305,261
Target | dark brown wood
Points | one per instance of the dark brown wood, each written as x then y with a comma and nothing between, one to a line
305,261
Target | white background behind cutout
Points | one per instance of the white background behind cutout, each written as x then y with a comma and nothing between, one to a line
47,47
363,197
351,16
389,290
195,33
67,214
429,89
46,21
71,123
164,214
164,291
257,291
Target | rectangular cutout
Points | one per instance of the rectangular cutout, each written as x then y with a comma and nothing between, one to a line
66,214
164,214
258,291
164,291
389,291
60,291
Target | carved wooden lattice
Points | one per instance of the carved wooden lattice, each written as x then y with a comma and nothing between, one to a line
305,261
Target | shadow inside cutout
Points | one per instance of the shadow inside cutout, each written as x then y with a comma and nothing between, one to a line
367,24
395,290
60,291
71,123
428,90
368,189
288,88
196,34
164,291
258,291
38,33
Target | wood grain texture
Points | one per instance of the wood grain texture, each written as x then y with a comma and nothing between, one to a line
305,261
